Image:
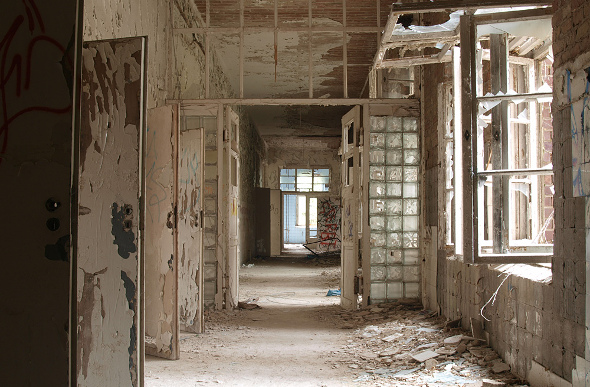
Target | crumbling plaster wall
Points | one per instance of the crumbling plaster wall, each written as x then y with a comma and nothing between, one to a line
531,320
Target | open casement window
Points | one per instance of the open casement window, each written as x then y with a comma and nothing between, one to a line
507,169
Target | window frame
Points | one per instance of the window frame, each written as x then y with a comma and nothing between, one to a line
313,177
471,141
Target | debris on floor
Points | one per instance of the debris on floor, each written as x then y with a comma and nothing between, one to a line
398,344
335,292
249,304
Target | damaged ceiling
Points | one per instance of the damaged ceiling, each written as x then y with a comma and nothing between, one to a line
289,46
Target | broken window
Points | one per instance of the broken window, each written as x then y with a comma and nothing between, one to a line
305,180
507,132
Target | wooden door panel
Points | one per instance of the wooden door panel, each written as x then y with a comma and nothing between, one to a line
108,268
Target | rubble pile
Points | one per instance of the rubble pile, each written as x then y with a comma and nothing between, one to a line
398,344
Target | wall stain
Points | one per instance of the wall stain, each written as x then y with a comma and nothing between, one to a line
60,251
124,238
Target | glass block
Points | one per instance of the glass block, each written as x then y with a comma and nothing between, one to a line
377,140
393,173
394,257
411,273
394,240
377,239
394,273
377,223
410,190
393,140
410,124
410,174
411,256
377,173
410,207
394,290
393,206
377,157
378,256
412,290
394,157
394,124
394,189
377,124
378,273
410,239
376,206
410,223
410,141
376,190
393,223
411,157
377,290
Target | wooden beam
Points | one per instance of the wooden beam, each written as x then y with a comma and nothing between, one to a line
510,97
510,172
408,103
245,29
468,87
446,5
513,16
415,61
344,52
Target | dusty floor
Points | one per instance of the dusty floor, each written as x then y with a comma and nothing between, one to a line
300,337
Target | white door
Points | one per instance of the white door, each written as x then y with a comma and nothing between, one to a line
190,225
110,257
233,220
350,206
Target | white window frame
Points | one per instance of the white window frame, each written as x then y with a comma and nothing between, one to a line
473,170
312,179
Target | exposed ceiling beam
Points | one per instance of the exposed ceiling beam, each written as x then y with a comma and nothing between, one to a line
410,103
444,5
251,30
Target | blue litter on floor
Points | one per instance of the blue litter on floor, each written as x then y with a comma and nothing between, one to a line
333,293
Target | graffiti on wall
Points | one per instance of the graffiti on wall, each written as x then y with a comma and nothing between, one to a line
329,223
578,93
25,36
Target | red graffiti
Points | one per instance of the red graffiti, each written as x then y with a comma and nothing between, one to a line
329,224
14,62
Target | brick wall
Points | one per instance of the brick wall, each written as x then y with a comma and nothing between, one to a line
531,320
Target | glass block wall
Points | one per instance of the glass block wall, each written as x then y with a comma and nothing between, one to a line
394,208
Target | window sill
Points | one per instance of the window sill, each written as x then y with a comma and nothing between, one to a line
535,272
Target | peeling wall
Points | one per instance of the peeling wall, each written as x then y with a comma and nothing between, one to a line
37,60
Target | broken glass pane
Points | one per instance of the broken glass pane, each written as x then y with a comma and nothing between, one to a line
394,257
